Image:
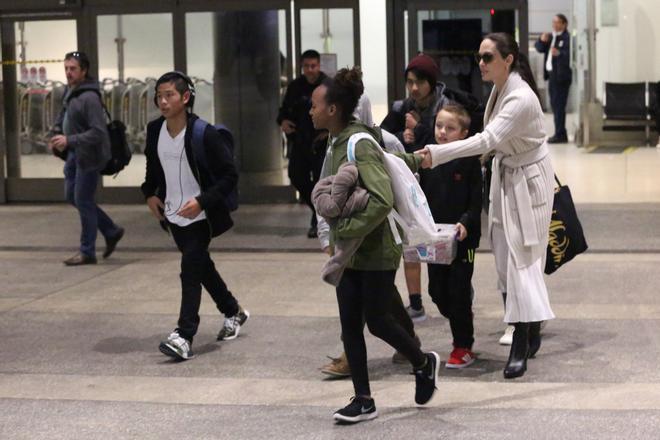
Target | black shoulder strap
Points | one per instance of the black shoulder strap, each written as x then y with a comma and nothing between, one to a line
77,92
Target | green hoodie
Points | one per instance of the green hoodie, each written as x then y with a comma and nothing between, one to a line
378,250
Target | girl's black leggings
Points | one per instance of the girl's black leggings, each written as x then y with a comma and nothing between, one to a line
369,294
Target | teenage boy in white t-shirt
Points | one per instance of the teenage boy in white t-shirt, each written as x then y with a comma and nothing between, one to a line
190,200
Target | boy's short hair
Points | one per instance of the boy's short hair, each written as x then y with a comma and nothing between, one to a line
459,112
180,84
310,54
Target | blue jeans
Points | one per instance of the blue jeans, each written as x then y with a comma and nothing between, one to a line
80,191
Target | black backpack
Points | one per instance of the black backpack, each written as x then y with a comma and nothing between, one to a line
200,154
120,152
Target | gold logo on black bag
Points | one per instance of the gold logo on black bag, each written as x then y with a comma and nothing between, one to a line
558,241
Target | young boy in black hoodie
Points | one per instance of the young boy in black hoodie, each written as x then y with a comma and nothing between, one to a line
189,196
453,191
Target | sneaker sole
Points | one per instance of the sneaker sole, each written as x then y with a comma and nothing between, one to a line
356,419
436,370
418,319
506,341
336,374
169,351
458,366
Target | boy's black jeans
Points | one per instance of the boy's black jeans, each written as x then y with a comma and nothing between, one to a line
450,287
197,270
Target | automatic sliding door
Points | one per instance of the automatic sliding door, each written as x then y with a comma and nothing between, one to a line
39,87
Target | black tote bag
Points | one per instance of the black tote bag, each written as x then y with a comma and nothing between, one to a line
566,238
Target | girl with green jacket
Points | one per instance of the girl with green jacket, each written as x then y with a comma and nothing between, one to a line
367,284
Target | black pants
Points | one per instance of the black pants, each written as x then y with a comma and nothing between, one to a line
450,287
369,294
558,99
304,172
197,270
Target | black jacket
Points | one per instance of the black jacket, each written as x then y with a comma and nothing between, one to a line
395,121
453,191
220,165
295,107
561,64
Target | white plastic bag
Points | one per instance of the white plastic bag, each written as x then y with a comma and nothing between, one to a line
441,251
411,210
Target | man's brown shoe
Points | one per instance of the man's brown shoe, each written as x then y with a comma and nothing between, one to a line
338,367
79,259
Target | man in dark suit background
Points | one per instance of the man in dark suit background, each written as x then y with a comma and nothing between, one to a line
557,70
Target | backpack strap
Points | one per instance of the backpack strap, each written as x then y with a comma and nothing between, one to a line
78,92
393,217
197,141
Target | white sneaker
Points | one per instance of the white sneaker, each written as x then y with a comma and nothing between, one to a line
507,337
176,347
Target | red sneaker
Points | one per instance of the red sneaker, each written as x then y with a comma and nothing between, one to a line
460,358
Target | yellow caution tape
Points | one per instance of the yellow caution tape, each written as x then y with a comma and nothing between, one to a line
15,62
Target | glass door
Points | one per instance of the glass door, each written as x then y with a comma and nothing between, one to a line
330,28
33,87
133,51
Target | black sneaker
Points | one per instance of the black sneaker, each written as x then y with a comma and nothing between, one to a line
312,232
359,410
425,378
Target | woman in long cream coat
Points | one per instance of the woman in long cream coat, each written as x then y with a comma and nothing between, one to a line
521,192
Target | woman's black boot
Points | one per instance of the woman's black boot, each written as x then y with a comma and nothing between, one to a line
534,338
517,363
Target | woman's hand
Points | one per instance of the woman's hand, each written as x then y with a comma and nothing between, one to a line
425,155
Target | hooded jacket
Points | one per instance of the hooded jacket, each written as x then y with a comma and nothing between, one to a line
378,250
85,126
214,189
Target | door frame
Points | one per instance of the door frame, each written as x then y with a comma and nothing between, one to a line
325,4
396,9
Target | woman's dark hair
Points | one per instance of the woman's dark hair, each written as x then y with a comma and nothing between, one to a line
506,45
562,18
344,91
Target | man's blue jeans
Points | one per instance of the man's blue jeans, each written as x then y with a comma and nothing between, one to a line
80,191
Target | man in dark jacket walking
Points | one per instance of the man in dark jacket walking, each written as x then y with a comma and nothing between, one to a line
83,139
189,198
306,144
557,71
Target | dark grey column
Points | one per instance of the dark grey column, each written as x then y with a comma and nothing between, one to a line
247,96
10,101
